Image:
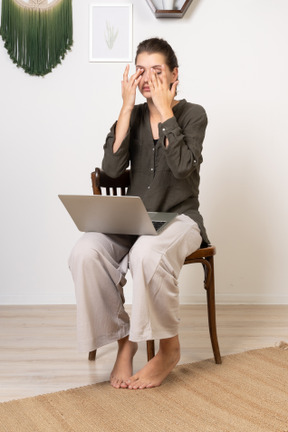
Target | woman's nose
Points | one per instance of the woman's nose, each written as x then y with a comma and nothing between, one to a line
146,75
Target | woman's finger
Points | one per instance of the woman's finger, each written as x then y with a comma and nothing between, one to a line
164,75
126,73
174,88
153,78
138,73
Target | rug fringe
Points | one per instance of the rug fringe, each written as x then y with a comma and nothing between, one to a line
283,345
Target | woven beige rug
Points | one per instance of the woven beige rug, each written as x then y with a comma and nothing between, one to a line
248,392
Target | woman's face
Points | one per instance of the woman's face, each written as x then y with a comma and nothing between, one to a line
149,62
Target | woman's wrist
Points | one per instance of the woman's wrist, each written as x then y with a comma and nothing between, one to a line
126,109
167,114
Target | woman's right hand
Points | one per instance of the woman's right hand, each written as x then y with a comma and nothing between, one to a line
129,86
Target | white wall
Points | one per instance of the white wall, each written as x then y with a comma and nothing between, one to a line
233,61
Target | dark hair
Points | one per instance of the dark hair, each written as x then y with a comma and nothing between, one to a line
156,45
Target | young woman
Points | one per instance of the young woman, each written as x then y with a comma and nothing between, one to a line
162,141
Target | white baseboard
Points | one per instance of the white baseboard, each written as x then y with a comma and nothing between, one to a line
36,300
191,299
237,299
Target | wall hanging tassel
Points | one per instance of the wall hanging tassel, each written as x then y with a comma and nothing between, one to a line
37,34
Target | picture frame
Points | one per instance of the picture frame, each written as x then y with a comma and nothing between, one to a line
110,38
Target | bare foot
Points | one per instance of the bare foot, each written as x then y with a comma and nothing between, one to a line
159,367
123,367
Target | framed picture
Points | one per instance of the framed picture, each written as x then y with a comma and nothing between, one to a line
110,33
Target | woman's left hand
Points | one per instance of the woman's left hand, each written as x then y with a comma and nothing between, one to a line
162,95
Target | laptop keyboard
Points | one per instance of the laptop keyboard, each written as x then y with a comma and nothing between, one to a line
158,224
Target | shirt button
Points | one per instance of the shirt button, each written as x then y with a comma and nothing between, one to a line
152,169
153,149
148,187
163,129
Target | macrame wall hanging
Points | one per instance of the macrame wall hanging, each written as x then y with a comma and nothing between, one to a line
37,33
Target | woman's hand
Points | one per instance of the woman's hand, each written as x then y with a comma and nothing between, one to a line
162,95
129,86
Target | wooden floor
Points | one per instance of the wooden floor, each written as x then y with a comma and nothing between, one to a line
38,351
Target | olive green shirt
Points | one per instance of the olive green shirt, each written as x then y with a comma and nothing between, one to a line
166,178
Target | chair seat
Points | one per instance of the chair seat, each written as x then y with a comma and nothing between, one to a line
201,253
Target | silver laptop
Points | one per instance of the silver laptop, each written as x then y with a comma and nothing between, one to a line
114,214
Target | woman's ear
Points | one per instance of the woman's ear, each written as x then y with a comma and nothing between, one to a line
175,78
175,74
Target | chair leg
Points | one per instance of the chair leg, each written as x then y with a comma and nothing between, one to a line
150,349
210,290
92,355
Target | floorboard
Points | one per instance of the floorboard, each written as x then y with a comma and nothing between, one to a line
38,351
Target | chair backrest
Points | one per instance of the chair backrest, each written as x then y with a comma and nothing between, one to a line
112,185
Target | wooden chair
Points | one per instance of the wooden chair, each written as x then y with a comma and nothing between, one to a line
204,256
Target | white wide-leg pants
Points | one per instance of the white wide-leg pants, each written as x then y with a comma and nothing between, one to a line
99,263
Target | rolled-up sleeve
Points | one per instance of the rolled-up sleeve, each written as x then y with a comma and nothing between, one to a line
183,153
114,164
